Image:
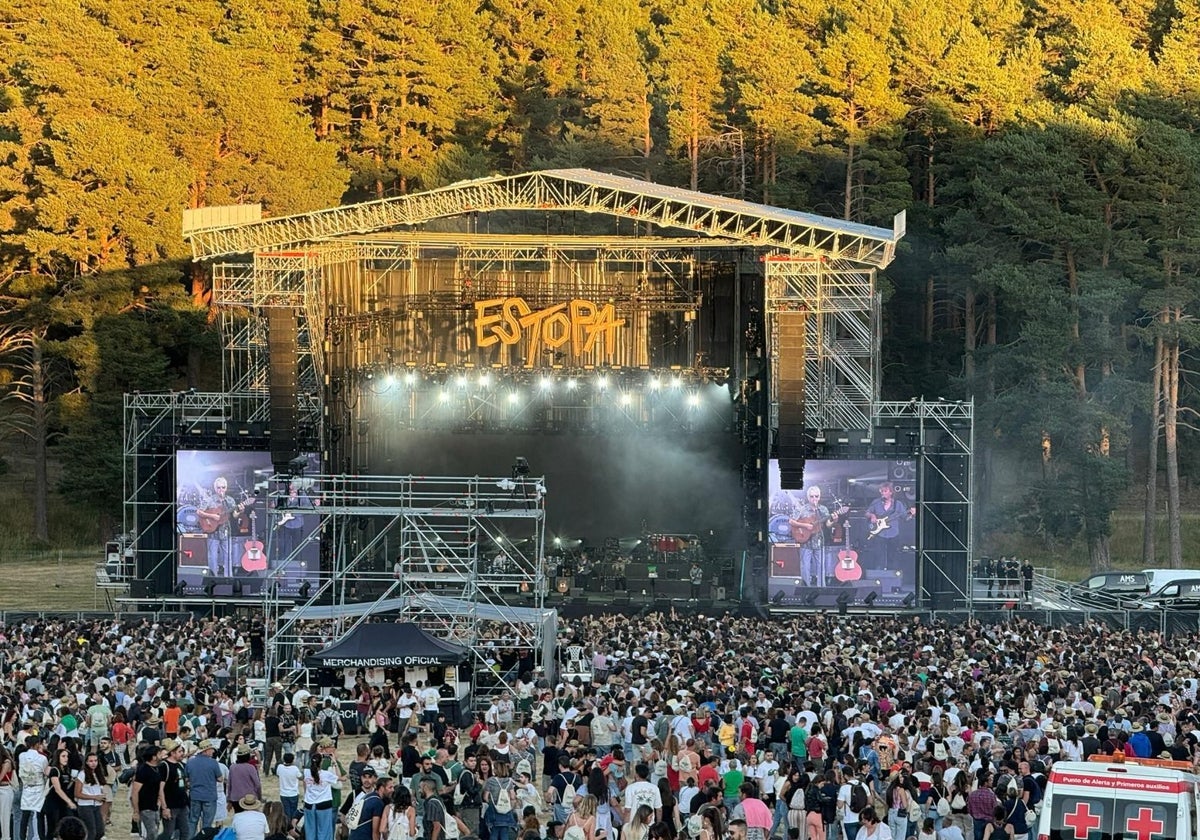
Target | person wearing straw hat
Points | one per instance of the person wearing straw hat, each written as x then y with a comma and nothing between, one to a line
248,820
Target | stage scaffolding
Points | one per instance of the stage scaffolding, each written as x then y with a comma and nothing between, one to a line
841,360
352,271
942,435
450,554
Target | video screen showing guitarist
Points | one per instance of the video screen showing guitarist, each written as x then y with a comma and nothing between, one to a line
886,515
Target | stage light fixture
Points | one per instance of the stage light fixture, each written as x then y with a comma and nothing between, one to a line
844,598
410,378
571,384
484,380
910,599
777,598
444,396
870,599
626,399
370,374
181,589
558,541
461,381
520,466
676,382
694,400
545,384
655,384
811,598
602,382
513,397
305,589
389,380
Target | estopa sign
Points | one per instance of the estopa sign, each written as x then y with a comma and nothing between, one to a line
582,323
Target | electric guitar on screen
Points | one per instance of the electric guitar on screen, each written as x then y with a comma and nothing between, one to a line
882,524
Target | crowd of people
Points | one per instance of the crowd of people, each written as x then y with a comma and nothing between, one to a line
680,727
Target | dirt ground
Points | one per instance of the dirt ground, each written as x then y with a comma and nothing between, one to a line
122,813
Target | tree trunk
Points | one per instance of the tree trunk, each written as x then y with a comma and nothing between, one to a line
969,338
38,429
849,201
1150,514
1099,555
1171,438
647,137
1073,286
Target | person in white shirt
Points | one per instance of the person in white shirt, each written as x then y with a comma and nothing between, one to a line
429,706
767,774
289,786
642,792
249,822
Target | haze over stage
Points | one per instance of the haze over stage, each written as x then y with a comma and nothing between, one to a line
603,485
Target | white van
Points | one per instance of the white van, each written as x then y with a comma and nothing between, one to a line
1156,579
1118,798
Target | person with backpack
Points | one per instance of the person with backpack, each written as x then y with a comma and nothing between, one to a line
499,806
566,785
329,721
853,799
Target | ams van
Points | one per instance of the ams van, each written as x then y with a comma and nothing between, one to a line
1114,799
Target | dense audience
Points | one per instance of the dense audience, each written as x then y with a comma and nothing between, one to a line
670,727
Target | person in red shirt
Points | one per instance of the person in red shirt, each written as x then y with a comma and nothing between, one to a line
708,773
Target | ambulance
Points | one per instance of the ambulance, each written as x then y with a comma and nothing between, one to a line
1118,798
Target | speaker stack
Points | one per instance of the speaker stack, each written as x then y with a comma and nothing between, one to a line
282,384
789,366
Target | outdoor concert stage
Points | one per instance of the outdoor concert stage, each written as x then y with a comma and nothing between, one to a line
559,385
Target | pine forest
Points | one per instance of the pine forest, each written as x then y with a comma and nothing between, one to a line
1047,153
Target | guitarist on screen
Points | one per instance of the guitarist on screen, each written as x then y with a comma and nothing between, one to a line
219,511
813,569
290,529
885,515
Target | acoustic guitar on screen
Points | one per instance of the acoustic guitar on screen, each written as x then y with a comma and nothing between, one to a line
253,559
847,569
213,518
805,527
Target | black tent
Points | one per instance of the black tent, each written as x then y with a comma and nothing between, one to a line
388,646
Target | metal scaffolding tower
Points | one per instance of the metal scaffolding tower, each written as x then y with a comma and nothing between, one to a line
449,554
944,440
841,359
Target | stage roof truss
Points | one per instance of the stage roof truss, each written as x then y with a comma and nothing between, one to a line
580,190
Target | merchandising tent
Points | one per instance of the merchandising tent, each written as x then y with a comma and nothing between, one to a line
388,646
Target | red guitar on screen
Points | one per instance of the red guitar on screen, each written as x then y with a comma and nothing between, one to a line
847,569
253,559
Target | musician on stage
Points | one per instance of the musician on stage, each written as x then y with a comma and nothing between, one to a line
813,559
219,510
887,540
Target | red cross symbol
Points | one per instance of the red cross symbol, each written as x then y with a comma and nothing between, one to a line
1082,820
1144,826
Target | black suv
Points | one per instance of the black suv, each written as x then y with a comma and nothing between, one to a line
1112,589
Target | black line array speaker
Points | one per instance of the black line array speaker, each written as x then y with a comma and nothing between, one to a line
282,385
789,366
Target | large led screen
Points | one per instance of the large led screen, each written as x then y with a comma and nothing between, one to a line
850,534
238,531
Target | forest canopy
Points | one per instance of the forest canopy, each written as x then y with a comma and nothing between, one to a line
1047,154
